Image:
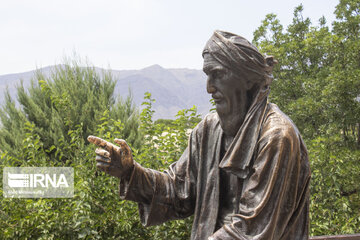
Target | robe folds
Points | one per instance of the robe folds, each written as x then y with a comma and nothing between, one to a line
268,158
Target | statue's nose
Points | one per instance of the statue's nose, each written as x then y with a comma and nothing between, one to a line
210,87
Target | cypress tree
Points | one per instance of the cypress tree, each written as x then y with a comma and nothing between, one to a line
71,97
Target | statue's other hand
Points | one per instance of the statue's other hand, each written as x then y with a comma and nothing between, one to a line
114,160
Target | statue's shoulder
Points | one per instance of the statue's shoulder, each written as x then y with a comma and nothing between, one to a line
278,124
281,134
209,123
210,120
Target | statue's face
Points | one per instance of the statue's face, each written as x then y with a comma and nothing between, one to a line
227,90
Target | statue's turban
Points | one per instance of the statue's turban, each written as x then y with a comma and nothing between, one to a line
240,56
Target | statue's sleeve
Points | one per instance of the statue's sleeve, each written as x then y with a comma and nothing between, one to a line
163,196
274,199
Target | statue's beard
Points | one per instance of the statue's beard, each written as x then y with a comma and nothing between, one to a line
231,122
232,116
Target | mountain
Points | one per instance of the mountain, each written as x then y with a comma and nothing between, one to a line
173,89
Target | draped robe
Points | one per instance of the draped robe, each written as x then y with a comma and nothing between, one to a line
267,156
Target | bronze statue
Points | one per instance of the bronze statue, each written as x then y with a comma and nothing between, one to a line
245,173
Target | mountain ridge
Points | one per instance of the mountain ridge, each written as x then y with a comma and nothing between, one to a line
173,89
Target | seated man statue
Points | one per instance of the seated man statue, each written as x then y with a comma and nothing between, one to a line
245,172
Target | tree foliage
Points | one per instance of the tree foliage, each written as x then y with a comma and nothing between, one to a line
96,211
70,96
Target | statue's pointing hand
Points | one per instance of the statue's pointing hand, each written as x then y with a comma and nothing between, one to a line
114,160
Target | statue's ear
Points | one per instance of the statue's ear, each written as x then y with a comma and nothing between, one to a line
252,84
270,61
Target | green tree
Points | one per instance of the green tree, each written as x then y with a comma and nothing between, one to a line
72,95
318,70
96,211
346,69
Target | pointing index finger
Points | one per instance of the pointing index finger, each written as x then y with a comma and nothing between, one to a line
101,143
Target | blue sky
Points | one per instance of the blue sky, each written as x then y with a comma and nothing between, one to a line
131,34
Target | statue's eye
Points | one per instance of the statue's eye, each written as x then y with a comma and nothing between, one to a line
218,74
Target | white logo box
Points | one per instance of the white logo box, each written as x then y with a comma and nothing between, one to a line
38,182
